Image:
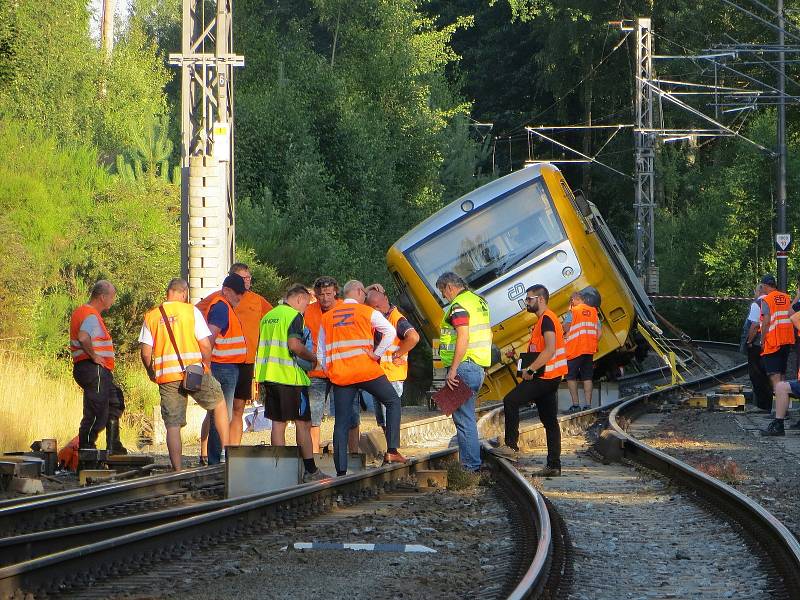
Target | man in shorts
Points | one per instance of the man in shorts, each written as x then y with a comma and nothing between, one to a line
581,334
326,290
777,337
283,383
166,356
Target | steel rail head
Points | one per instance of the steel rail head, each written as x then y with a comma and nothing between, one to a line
765,527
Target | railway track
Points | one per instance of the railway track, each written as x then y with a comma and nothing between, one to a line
50,564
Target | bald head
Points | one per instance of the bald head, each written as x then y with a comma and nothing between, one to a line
354,289
178,290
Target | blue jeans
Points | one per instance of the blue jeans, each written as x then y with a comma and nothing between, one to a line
380,409
469,448
228,375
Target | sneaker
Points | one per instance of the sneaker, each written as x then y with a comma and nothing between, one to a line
506,452
317,475
393,457
573,409
547,472
774,429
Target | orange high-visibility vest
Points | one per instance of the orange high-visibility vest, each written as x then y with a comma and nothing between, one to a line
229,348
557,365
313,320
165,361
348,337
584,331
250,310
103,345
781,330
392,371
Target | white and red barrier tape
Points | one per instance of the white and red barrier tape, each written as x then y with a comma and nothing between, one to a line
713,298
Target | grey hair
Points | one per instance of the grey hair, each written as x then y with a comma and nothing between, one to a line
177,285
102,286
450,278
350,286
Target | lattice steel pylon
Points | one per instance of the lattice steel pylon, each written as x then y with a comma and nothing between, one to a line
644,144
207,184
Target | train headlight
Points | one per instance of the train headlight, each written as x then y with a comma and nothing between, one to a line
568,272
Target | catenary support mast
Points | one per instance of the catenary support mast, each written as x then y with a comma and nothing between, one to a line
644,149
207,195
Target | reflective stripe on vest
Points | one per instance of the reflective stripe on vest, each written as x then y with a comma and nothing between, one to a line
313,320
394,372
231,347
557,365
479,347
348,337
274,360
102,344
780,331
165,361
583,333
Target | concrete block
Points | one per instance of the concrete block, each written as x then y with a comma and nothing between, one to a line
27,485
373,443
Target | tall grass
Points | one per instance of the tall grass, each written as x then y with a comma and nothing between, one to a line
38,401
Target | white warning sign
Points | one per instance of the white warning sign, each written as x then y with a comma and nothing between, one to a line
783,241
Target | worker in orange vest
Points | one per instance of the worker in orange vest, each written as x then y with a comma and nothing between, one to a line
345,344
326,291
229,351
175,335
581,334
540,381
777,337
395,360
92,352
250,310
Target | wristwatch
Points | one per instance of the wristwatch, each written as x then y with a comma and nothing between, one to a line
529,371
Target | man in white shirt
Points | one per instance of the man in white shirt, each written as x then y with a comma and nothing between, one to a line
345,352
762,389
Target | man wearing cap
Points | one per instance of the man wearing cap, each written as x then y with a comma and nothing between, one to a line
250,311
229,350
777,334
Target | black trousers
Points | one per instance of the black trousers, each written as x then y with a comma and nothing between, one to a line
101,399
762,388
544,393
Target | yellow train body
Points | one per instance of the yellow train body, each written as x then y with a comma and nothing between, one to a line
511,233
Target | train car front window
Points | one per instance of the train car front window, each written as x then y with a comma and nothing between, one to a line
493,240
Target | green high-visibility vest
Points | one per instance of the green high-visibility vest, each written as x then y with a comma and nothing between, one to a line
479,348
274,362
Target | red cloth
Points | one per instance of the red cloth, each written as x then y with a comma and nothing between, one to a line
448,400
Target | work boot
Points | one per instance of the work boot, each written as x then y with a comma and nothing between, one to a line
113,445
774,429
393,457
506,452
547,471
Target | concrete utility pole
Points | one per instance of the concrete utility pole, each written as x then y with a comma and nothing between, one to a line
206,60
107,28
782,243
644,149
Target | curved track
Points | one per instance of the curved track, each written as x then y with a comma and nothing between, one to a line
51,563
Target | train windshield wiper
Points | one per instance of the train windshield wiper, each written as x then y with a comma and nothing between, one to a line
513,260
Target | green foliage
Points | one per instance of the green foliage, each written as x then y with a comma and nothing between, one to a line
150,154
58,79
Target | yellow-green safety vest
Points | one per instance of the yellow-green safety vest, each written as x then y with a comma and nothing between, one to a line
274,362
479,348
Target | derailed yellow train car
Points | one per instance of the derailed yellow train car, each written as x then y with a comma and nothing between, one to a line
522,229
